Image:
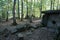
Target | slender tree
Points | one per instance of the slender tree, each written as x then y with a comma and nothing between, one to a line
14,18
7,16
40,7
57,4
7,11
33,11
18,11
51,5
34,7
22,10
27,11
30,18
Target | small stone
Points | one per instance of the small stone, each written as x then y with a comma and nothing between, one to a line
20,36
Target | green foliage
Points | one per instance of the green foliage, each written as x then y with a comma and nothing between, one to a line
35,9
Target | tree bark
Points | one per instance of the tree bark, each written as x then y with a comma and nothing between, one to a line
14,18
30,18
51,5
27,12
22,11
7,16
7,11
40,8
18,11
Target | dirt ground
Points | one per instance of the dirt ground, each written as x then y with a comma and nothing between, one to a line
4,23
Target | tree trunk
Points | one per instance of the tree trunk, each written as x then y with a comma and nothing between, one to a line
22,11
30,18
51,5
14,18
34,7
40,8
27,12
7,16
7,11
57,4
18,11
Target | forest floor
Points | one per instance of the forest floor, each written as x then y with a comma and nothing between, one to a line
4,23
20,24
43,33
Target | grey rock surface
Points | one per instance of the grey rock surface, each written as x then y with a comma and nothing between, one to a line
43,33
